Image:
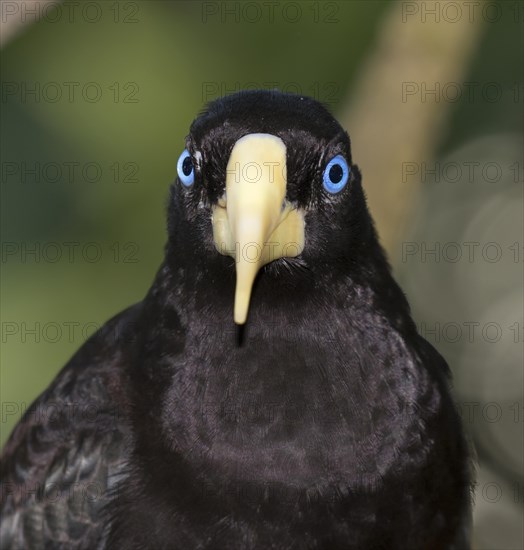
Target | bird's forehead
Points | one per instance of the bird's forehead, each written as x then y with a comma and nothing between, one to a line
220,140
294,119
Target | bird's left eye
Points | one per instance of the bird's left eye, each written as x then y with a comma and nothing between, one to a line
185,169
336,174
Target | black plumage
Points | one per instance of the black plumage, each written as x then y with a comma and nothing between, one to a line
323,422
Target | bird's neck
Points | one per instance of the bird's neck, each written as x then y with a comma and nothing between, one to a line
283,296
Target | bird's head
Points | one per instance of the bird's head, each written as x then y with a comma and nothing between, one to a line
267,177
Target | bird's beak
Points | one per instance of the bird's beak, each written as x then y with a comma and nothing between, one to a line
253,223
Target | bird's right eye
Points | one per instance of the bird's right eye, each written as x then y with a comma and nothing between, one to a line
185,169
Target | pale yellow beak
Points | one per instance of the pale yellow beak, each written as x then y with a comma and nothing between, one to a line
253,223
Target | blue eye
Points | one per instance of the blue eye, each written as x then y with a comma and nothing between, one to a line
185,169
336,174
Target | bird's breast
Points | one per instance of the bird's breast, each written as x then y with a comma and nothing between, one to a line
286,411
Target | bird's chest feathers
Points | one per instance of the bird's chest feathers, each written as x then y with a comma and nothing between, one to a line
288,409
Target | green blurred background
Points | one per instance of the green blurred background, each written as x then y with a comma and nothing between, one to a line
97,98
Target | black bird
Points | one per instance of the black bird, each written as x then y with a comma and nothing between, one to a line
270,391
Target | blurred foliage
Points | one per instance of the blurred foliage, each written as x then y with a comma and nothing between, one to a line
174,58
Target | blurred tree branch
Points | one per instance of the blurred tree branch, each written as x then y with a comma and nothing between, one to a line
390,117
